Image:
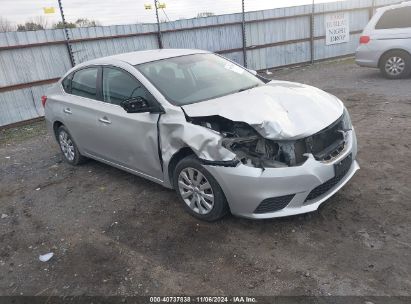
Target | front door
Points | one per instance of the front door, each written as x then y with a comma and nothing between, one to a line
126,139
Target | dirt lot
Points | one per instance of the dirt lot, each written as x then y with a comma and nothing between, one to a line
115,233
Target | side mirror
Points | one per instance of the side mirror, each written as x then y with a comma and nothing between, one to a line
138,105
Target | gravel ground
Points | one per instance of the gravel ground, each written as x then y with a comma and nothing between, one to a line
113,233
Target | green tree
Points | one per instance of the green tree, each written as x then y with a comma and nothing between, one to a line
205,14
34,24
60,25
29,26
84,22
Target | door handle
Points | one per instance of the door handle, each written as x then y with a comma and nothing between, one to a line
67,110
104,120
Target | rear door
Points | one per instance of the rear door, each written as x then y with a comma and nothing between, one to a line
126,139
78,107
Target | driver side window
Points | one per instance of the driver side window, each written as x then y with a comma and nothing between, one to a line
119,85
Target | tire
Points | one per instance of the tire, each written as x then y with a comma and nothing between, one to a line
68,147
395,64
202,186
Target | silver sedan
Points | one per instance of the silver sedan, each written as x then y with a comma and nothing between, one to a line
223,137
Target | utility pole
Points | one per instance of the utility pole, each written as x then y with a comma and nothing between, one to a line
244,35
160,40
371,11
312,16
69,49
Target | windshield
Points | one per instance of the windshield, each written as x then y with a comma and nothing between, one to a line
193,78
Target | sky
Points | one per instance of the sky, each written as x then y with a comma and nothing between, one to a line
109,12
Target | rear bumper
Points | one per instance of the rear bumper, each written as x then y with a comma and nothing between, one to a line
365,56
246,187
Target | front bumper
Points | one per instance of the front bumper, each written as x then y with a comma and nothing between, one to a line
246,187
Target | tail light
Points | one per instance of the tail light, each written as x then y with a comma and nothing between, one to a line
43,100
364,39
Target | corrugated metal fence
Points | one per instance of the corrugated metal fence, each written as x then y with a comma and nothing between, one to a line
31,61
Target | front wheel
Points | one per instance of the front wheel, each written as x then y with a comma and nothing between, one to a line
396,65
200,193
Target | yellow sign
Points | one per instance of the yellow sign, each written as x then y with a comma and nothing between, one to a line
48,10
161,5
147,6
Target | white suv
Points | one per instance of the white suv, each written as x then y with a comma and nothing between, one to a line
386,41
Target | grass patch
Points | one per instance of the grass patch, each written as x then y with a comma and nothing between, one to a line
21,133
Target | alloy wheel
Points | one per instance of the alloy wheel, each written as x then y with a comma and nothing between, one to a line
66,145
196,190
395,65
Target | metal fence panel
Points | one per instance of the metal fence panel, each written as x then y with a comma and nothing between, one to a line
271,31
235,56
33,64
20,105
21,38
197,22
88,50
281,55
210,38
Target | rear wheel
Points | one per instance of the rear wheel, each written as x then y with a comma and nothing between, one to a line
198,190
396,64
68,147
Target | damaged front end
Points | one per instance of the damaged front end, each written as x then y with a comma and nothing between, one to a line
252,149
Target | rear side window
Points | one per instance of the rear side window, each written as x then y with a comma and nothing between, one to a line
395,18
119,85
66,83
84,83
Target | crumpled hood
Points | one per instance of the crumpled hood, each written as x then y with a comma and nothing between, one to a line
278,110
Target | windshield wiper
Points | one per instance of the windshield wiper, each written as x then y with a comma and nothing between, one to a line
249,88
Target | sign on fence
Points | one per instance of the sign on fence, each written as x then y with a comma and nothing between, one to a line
337,28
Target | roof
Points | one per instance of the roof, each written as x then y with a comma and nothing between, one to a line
398,5
138,57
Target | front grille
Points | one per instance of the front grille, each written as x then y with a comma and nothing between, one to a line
341,170
274,204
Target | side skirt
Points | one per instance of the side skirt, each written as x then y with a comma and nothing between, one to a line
124,168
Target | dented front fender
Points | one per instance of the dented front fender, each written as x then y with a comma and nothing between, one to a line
175,133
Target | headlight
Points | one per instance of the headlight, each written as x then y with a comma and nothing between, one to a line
346,120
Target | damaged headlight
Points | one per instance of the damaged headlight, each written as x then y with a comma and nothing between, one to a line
251,148
258,152
346,120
